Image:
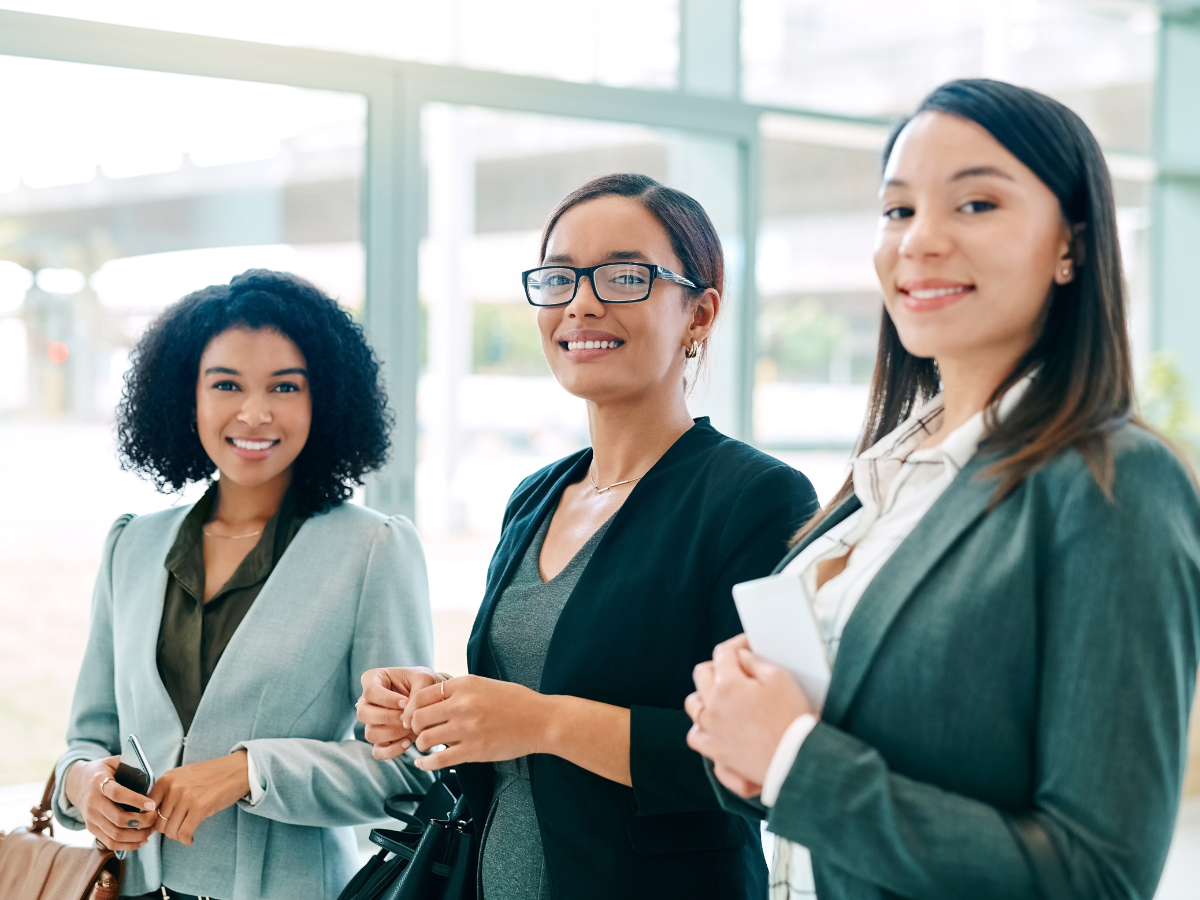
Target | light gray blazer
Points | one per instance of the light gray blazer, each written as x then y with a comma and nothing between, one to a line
349,594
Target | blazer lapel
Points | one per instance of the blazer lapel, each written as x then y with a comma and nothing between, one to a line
850,505
522,530
962,504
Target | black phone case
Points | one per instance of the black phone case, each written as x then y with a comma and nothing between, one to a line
134,779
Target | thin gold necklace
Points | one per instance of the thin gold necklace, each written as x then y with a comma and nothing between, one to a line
231,537
601,490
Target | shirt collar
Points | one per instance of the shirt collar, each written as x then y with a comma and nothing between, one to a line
186,558
958,447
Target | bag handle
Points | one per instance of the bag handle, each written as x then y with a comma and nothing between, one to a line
43,813
381,838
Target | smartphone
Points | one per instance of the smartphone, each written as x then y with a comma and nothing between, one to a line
133,771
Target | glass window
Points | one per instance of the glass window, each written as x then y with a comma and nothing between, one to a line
490,412
615,42
877,58
121,191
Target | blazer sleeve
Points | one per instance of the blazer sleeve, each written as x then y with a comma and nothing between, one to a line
667,775
1118,602
333,783
93,731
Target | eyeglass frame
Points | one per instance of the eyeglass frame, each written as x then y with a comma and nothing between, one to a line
656,271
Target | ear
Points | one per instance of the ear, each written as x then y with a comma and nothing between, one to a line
1072,253
704,311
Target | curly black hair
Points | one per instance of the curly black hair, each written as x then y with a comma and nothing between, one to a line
351,422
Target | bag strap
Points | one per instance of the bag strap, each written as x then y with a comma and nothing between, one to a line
43,813
383,838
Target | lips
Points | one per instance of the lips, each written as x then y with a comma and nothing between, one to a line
929,294
581,345
252,448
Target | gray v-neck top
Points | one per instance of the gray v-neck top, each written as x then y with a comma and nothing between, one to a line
511,863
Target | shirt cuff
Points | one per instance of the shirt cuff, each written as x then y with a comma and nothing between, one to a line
258,790
784,757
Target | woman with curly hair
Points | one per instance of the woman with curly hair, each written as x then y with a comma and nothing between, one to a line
228,635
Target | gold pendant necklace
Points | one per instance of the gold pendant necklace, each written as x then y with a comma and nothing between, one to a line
231,537
601,490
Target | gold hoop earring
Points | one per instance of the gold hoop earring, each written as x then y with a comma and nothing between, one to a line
693,351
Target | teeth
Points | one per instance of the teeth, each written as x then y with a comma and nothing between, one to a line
937,292
252,445
591,345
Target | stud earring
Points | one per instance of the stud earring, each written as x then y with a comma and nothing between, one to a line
1066,272
693,351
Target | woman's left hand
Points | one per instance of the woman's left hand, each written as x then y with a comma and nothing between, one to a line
480,719
740,710
190,794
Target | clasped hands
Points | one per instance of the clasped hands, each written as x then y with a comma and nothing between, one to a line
179,801
475,719
740,710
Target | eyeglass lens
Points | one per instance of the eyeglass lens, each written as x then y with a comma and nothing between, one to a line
616,283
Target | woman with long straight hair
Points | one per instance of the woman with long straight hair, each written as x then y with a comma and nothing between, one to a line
610,583
1008,583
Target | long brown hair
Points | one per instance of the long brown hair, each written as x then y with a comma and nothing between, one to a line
1084,387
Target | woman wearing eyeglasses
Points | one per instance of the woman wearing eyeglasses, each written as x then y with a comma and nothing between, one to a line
611,581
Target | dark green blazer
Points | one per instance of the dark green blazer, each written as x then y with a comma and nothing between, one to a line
1009,706
653,600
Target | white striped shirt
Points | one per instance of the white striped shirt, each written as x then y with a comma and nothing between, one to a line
896,484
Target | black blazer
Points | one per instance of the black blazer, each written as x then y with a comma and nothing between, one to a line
651,604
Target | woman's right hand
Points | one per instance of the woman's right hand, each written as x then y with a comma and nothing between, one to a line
385,694
90,788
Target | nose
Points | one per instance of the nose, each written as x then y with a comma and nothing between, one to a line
255,411
925,236
586,303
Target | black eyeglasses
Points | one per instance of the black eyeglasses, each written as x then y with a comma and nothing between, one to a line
623,282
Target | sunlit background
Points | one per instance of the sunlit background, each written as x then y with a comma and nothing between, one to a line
121,190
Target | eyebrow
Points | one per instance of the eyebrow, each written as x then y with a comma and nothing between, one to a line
564,259
982,171
973,172
222,370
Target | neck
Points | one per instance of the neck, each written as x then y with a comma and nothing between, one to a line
238,505
630,435
967,388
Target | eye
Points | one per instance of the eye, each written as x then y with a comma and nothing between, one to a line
627,278
227,386
898,212
286,387
557,280
977,206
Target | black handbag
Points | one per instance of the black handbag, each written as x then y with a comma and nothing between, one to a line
433,858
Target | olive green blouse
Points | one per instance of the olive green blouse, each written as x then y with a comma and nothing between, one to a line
194,634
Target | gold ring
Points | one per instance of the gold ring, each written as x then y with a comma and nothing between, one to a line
107,779
160,815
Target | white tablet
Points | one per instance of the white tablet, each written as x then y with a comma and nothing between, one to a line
782,628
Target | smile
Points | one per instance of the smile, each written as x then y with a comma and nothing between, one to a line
933,297
939,292
590,345
243,444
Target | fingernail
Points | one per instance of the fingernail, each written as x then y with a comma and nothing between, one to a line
400,704
405,744
148,806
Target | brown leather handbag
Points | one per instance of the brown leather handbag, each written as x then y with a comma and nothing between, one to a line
34,866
